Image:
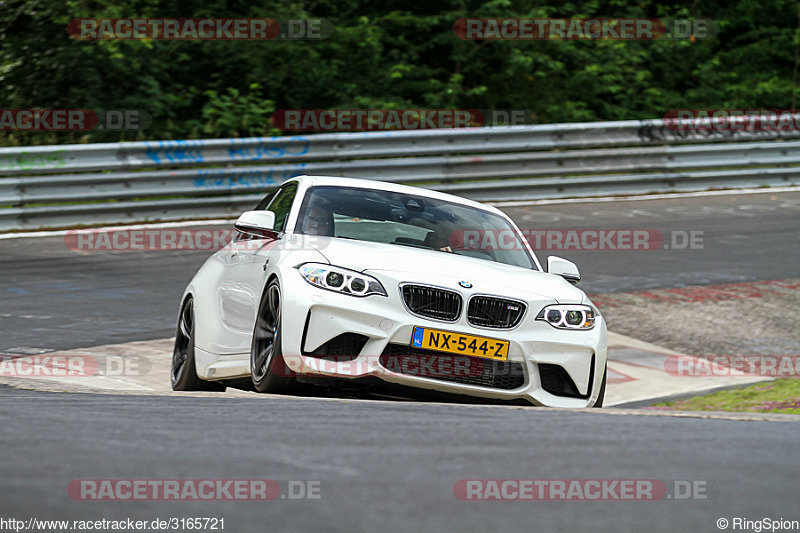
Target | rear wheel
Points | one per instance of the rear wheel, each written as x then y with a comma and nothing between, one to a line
184,372
268,369
602,395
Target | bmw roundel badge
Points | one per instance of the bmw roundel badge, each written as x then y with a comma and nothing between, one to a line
465,284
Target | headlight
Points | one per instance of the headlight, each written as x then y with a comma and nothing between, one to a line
568,316
342,280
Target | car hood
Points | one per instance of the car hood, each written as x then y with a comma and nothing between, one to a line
405,263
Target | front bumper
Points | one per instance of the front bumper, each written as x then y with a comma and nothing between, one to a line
312,317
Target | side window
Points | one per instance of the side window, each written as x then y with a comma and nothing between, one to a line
281,204
264,202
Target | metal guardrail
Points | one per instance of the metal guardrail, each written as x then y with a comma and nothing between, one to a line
68,185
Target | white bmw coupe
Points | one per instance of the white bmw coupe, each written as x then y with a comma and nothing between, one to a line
337,278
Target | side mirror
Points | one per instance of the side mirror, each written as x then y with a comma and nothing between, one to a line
566,269
258,223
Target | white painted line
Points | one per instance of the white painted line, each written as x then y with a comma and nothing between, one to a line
761,190
57,233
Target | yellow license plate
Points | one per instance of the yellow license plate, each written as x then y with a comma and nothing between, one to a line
460,343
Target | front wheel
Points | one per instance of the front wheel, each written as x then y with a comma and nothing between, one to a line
184,372
268,369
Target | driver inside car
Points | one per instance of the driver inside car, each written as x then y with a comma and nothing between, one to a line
318,221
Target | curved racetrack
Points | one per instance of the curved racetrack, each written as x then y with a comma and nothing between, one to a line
392,465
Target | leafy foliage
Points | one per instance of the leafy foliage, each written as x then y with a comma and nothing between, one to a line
390,54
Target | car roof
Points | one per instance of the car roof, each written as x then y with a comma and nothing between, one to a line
333,181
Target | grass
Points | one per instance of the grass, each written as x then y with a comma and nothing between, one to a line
778,396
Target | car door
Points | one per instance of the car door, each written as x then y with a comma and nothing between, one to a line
240,284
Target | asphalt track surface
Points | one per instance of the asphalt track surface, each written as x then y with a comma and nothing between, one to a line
389,466
56,298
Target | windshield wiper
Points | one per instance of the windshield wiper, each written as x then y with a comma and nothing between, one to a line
412,245
446,249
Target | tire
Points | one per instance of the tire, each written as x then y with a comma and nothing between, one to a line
268,369
602,395
183,372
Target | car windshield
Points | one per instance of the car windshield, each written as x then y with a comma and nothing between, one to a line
407,220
